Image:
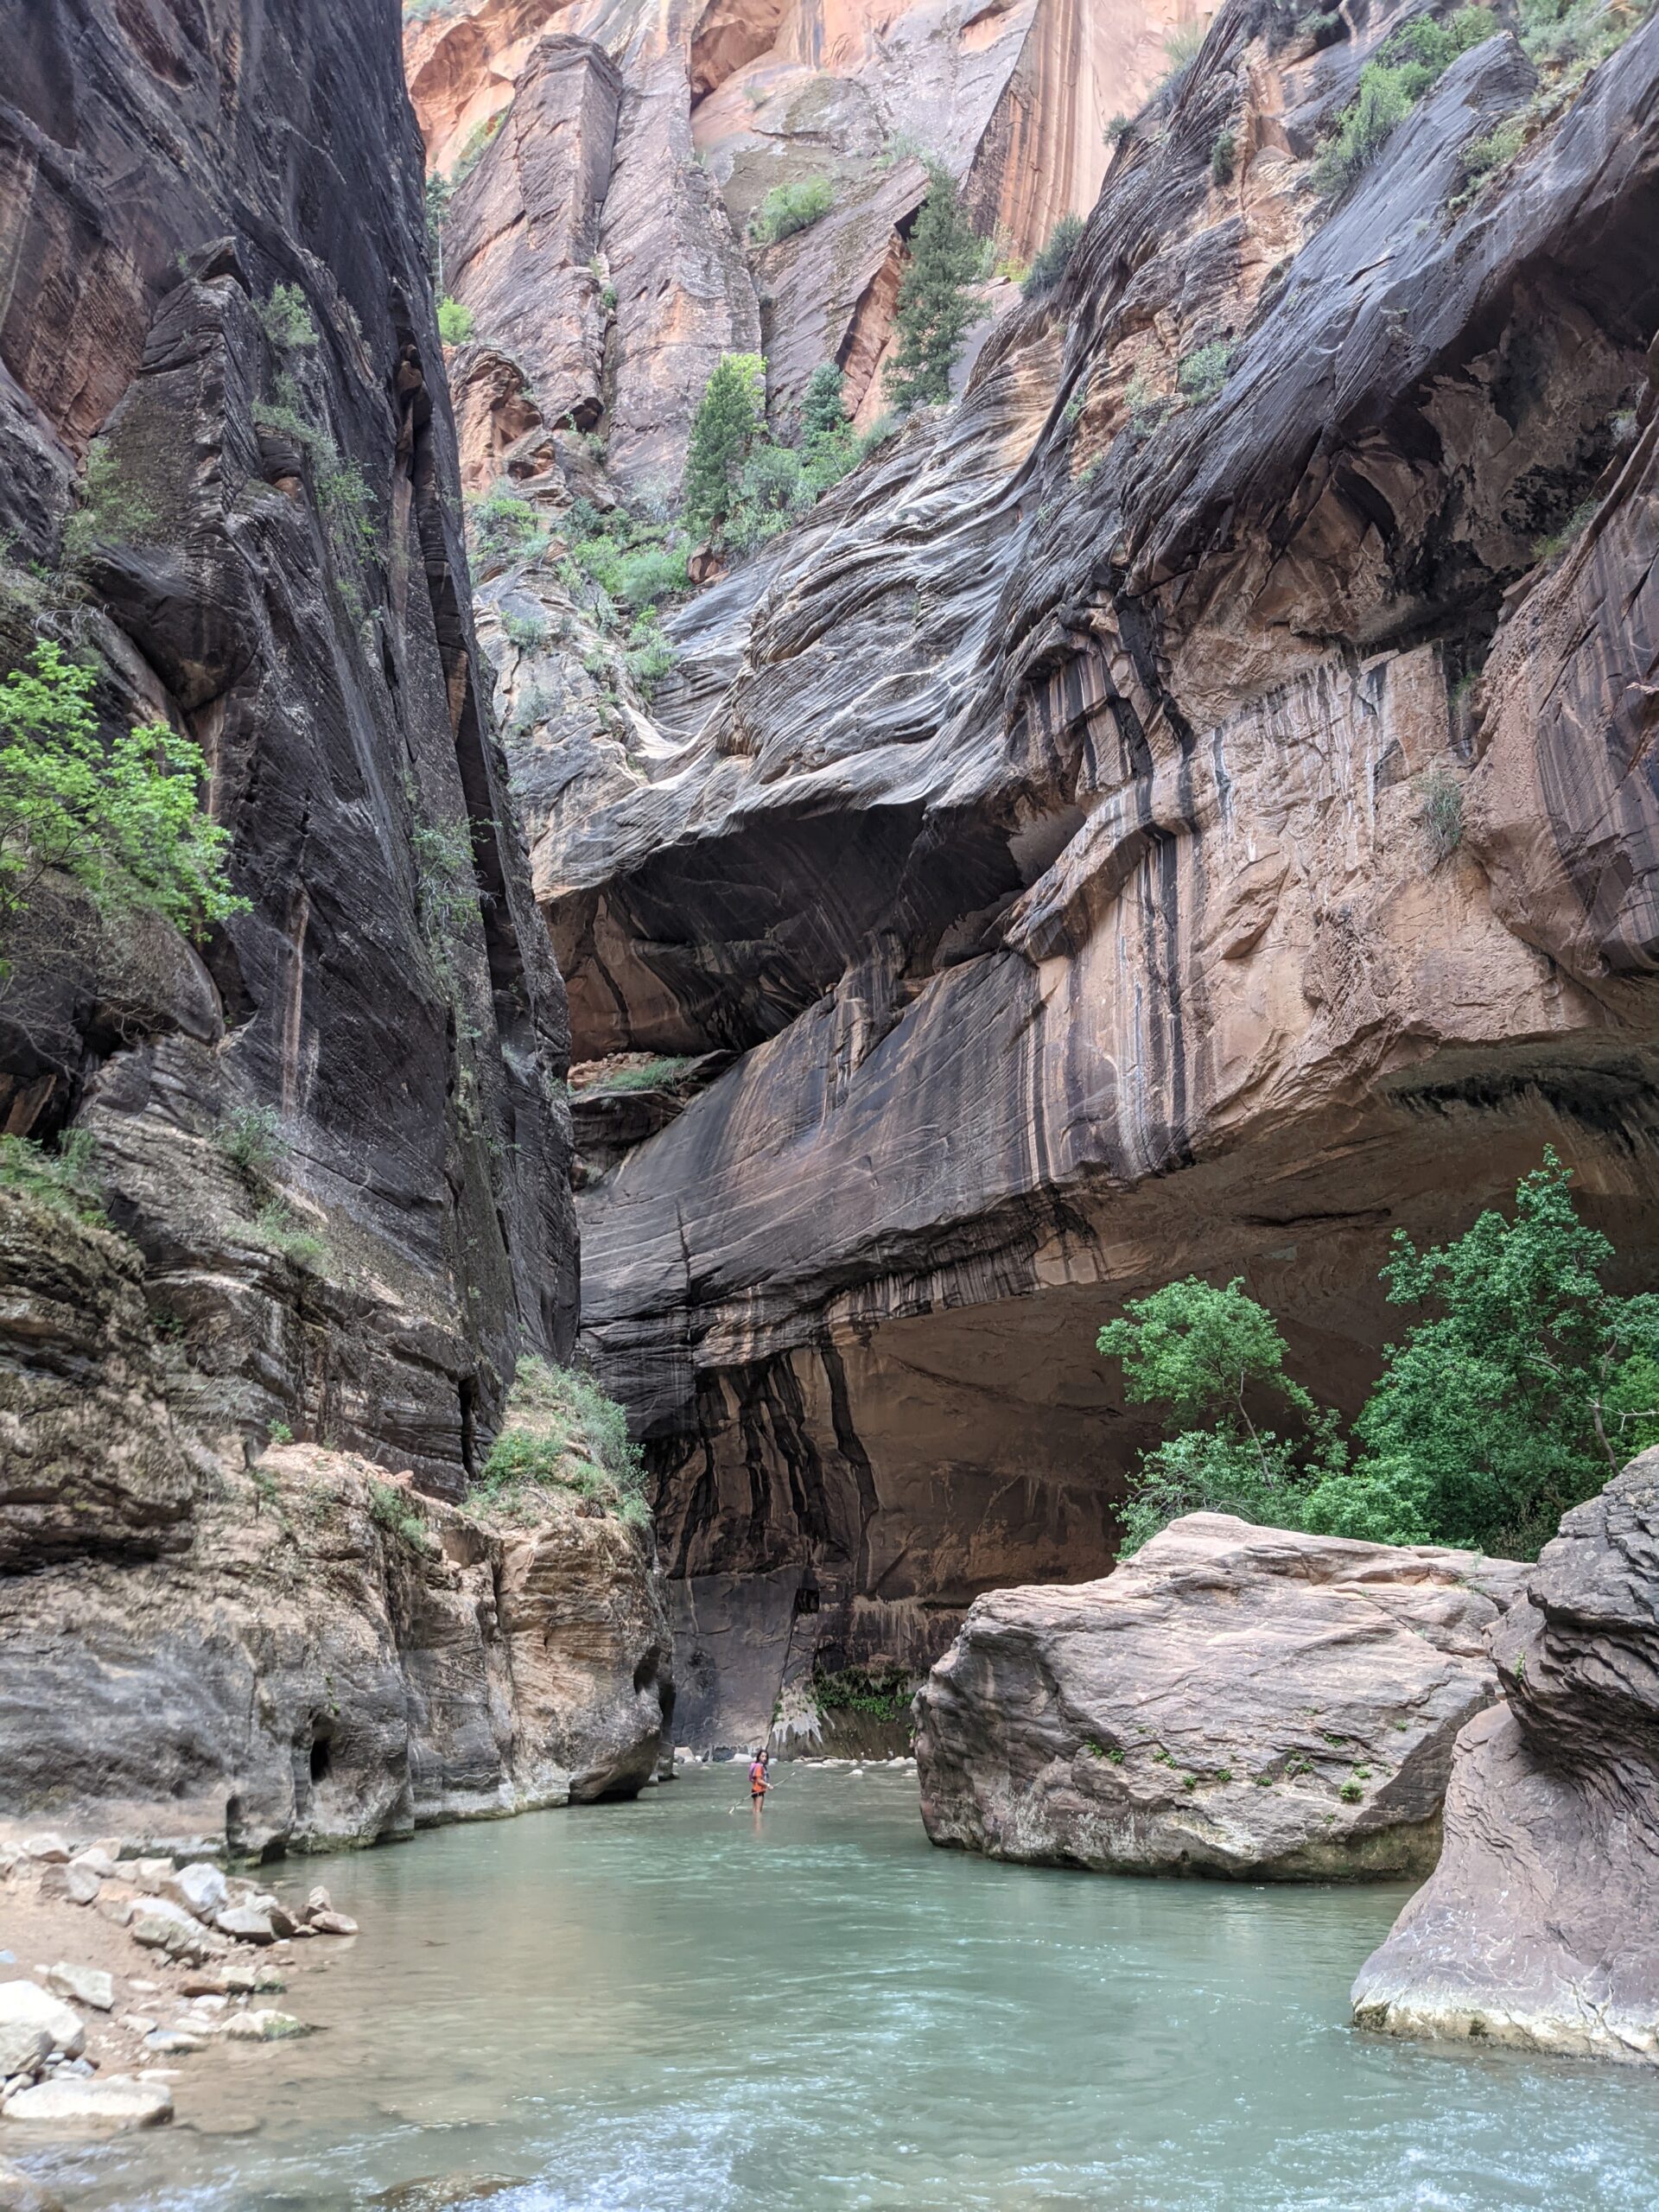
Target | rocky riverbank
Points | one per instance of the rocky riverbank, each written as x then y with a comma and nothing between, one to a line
117,1971
1232,1701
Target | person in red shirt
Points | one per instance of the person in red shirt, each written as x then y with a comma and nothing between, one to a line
759,1784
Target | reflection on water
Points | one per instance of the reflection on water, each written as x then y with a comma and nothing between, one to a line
662,2007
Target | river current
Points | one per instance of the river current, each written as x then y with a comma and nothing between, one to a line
668,2008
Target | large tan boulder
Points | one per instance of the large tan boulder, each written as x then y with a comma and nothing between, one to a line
1539,1926
1232,1701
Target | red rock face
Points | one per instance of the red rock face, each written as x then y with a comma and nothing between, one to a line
1046,828
650,201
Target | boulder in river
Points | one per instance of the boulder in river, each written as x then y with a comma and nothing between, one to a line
1232,1701
1539,1926
119,2102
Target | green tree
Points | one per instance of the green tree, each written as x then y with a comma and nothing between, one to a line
1519,1397
729,419
1525,1387
1206,1356
829,443
124,821
936,303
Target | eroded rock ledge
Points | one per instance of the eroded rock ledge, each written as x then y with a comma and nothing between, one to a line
291,1653
1233,1700
1539,1926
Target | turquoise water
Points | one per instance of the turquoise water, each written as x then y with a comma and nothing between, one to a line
660,2007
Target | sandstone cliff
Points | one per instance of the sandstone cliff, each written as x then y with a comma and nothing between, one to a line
1539,1926
290,1654
611,159
1183,808
332,1142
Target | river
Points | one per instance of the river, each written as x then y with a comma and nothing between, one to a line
665,2007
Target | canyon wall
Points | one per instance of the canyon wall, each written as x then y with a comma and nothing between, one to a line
1185,807
328,1146
610,157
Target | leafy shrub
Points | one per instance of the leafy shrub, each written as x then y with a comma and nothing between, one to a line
1524,1388
791,207
250,1138
646,1075
1223,158
123,821
527,632
67,1179
280,1229
392,1508
646,577
348,510
649,656
1051,264
1483,156
884,1693
1203,373
447,890
455,322
1550,547
1414,58
111,511
499,523
1118,129
287,320
564,1433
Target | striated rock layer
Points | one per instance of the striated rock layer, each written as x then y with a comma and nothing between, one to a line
611,159
268,558
1232,1701
332,1140
1047,828
292,1655
1539,1926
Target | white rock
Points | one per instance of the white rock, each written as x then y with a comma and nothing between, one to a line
96,1860
247,1924
50,1849
200,1888
118,2102
147,1987
164,1926
80,1884
82,1984
138,2023
116,1910
265,2027
26,2002
173,2043
333,1923
25,2046
318,1900
149,1874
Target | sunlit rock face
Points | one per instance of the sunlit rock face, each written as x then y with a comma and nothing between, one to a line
1046,826
1539,1926
276,570
601,234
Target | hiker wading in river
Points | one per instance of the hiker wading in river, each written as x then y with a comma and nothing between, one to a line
758,1783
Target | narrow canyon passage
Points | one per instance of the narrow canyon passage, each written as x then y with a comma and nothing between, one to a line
662,2008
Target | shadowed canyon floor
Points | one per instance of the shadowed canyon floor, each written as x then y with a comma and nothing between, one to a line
655,2005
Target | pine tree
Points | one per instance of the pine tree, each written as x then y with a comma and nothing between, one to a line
730,417
935,305
821,411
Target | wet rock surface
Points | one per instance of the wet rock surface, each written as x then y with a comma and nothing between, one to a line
1044,826
1539,1926
1232,1701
